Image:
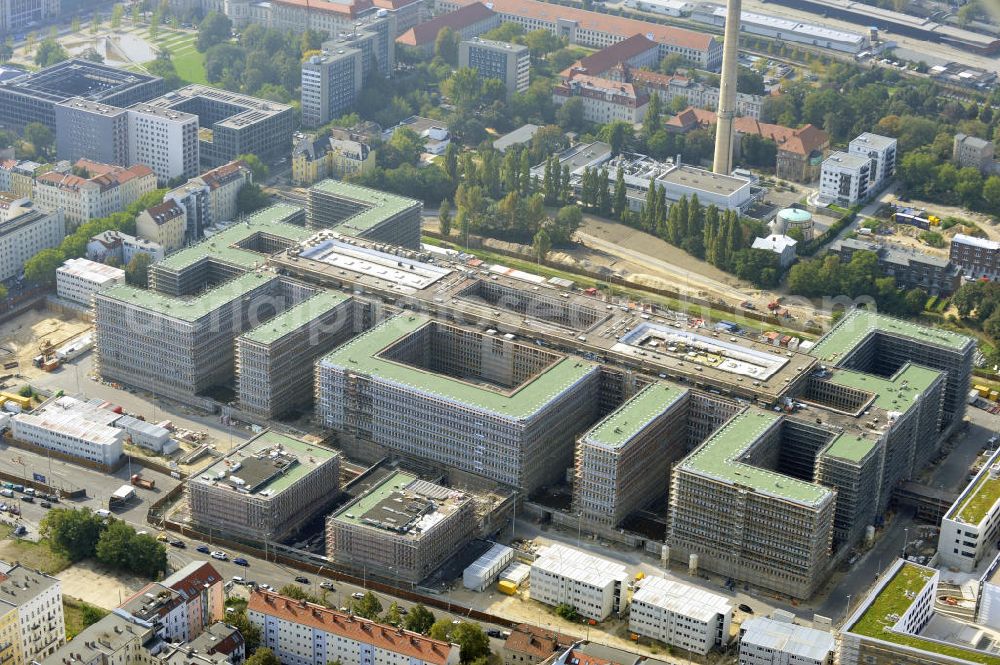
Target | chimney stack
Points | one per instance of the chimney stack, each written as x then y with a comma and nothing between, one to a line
723,162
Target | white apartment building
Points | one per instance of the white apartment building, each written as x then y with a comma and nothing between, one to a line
680,615
971,526
32,625
70,426
845,179
765,641
25,234
210,198
163,139
158,604
105,189
302,633
595,586
122,246
881,153
77,279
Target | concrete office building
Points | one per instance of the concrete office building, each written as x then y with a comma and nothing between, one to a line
600,30
469,21
93,130
846,179
72,427
972,151
106,189
265,489
330,85
166,140
970,527
770,641
32,625
274,361
229,124
881,153
506,62
977,257
680,615
78,279
401,529
910,268
365,213
26,232
33,97
405,385
596,587
623,462
20,15
302,633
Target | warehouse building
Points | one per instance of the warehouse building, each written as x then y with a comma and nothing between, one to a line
623,462
69,426
365,213
680,615
303,633
785,30
274,361
265,489
772,641
483,403
77,279
596,587
401,529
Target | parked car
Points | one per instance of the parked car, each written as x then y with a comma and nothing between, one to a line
203,549
357,595
493,632
746,608
240,561
302,579
238,580
45,504
221,556
178,544
28,499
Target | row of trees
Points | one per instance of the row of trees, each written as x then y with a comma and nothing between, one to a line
81,534
978,304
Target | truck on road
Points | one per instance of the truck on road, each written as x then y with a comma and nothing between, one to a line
144,483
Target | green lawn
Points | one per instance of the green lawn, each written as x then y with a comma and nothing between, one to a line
190,66
33,555
79,615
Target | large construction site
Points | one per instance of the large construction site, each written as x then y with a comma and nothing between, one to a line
767,461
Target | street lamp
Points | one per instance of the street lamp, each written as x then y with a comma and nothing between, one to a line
906,538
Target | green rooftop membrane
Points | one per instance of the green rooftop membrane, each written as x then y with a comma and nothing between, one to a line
360,356
718,458
896,394
295,317
851,447
354,511
855,327
189,309
272,220
310,457
892,601
980,498
382,205
623,424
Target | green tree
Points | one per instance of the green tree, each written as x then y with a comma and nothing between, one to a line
40,137
393,617
440,630
41,268
472,641
136,13
74,25
147,556
567,611
367,607
49,53
541,244
419,619
651,121
114,547
567,221
250,198
444,217
914,301
618,134
249,631
258,168
95,23
262,656
569,117
991,194
215,28
446,45
74,533
117,12
671,63
137,270
619,203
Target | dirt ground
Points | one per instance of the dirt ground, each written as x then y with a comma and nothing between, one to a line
23,334
92,583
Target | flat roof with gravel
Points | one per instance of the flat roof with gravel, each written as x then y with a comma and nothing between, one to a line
188,309
382,205
361,355
623,424
852,330
296,317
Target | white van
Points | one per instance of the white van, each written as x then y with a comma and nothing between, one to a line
103,513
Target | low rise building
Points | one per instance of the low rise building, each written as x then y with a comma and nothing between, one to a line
77,279
121,247
973,152
617,60
680,615
434,133
506,62
401,529
977,257
329,157
596,587
303,633
469,21
786,29
529,645
769,641
782,245
485,570
72,427
604,100
32,623
265,489
910,268
970,528
25,233
165,224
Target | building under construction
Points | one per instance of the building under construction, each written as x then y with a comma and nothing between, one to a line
265,489
361,212
403,528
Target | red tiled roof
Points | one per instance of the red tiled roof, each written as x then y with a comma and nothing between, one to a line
392,4
463,17
223,174
535,641
593,85
397,640
800,141
353,8
195,582
603,61
655,79
624,27
164,212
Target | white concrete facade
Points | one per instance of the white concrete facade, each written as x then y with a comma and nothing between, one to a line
594,586
765,641
881,153
72,427
845,179
680,615
77,279
25,235
165,140
972,524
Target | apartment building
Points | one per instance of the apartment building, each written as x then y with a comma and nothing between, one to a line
596,587
623,462
600,30
846,179
203,590
25,233
265,489
972,151
122,247
18,177
211,198
401,529
317,159
910,268
274,361
604,100
470,21
159,605
164,139
303,633
365,213
971,526
405,384
165,224
697,94
680,615
618,60
72,427
32,625
529,645
93,130
977,257
880,152
99,190
508,63
770,641
77,279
